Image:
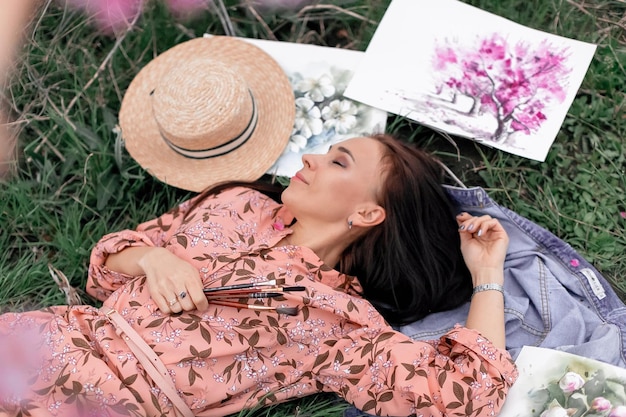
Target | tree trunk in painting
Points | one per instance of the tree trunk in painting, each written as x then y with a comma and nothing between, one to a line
513,82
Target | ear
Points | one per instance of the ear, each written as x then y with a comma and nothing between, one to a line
368,216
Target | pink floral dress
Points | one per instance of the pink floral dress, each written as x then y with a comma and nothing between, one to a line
63,360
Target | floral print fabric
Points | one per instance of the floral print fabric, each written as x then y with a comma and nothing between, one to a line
225,359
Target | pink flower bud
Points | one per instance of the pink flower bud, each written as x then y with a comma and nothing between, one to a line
619,411
571,382
601,404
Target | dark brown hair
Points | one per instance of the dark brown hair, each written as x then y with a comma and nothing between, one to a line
410,265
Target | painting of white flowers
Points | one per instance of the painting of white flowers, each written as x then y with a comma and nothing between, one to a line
468,72
319,76
558,384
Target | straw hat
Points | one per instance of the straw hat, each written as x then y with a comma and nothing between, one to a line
208,110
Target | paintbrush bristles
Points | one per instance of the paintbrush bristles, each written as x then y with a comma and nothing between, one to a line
290,311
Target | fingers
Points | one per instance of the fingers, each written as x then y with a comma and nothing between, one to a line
176,301
469,224
176,293
183,302
174,284
174,305
192,297
196,298
167,301
476,226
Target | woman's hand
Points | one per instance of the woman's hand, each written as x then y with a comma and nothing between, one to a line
483,244
174,284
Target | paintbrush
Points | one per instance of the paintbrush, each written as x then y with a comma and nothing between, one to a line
252,290
219,296
290,311
241,286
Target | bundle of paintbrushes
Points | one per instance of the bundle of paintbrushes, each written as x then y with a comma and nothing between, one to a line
238,295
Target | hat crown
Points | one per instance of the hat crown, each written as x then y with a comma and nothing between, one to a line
202,105
222,96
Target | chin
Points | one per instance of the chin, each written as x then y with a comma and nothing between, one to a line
287,194
293,198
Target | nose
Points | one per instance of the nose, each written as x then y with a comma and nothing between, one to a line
307,160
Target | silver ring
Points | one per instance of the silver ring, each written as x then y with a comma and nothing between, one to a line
182,295
172,302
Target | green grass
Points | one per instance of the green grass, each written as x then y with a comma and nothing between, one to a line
74,182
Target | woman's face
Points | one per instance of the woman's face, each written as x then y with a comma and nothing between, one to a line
334,186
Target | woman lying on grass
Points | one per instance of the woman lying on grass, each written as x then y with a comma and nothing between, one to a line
233,299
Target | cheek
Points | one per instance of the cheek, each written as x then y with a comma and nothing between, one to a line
349,195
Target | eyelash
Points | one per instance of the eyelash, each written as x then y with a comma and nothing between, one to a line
339,163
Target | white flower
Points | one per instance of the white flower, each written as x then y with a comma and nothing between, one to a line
317,89
341,115
341,78
308,122
571,382
296,143
555,412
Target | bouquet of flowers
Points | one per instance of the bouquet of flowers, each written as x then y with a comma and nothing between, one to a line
554,383
581,393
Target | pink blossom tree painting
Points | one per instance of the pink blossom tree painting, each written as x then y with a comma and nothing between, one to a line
512,84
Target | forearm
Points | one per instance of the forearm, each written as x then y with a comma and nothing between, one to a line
486,312
129,260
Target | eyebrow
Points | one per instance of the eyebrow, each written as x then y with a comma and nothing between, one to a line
344,150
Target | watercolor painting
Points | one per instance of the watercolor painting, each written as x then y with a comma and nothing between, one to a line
465,71
319,76
559,384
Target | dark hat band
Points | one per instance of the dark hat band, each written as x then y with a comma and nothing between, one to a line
225,147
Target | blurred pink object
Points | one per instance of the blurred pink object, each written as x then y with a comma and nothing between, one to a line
110,15
187,8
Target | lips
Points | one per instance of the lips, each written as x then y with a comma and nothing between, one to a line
299,177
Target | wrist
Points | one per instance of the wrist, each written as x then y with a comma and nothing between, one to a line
488,287
147,257
487,275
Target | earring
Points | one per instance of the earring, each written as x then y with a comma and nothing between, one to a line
349,224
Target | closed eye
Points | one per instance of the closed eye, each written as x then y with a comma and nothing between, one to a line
339,163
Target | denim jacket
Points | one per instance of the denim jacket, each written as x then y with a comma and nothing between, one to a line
553,298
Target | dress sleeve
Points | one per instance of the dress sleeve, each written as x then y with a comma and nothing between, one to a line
388,374
101,281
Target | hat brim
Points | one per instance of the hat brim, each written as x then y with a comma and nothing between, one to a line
276,112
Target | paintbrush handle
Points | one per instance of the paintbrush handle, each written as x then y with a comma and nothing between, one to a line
240,305
250,295
227,288
244,291
239,286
